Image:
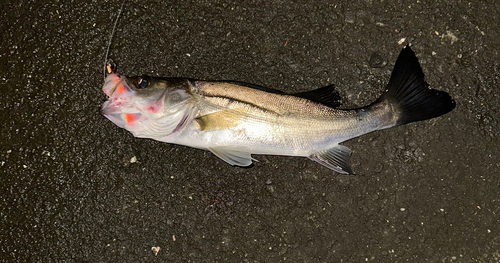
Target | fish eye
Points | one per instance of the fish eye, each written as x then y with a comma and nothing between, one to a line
143,82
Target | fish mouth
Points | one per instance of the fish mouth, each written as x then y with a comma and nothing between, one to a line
108,108
114,104
122,117
117,108
110,84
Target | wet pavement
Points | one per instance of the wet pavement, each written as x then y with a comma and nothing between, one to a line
76,188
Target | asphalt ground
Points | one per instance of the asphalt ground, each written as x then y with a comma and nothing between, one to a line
76,188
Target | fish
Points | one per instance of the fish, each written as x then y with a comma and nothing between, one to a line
234,120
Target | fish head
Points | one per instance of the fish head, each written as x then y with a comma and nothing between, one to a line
147,107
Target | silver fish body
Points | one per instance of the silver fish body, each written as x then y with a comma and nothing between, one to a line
234,120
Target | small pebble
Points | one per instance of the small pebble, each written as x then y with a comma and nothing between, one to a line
155,250
377,60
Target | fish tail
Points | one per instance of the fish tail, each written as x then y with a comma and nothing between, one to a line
410,96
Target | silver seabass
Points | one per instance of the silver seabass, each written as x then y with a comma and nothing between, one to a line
235,120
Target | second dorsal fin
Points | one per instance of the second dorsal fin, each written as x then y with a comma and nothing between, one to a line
327,96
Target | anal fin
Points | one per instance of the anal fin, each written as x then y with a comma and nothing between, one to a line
233,155
336,158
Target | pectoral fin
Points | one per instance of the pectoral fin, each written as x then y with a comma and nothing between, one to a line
336,158
220,120
233,155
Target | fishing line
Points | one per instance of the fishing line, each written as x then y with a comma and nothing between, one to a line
111,39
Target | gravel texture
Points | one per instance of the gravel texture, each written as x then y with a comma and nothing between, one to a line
76,188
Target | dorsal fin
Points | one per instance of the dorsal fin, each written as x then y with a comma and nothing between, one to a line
327,96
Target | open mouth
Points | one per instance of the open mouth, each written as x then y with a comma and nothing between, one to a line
116,107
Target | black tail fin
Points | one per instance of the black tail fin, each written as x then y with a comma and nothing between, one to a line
409,92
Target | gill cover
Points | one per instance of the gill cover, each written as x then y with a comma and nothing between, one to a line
176,110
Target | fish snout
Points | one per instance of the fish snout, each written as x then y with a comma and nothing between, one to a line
119,108
114,86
